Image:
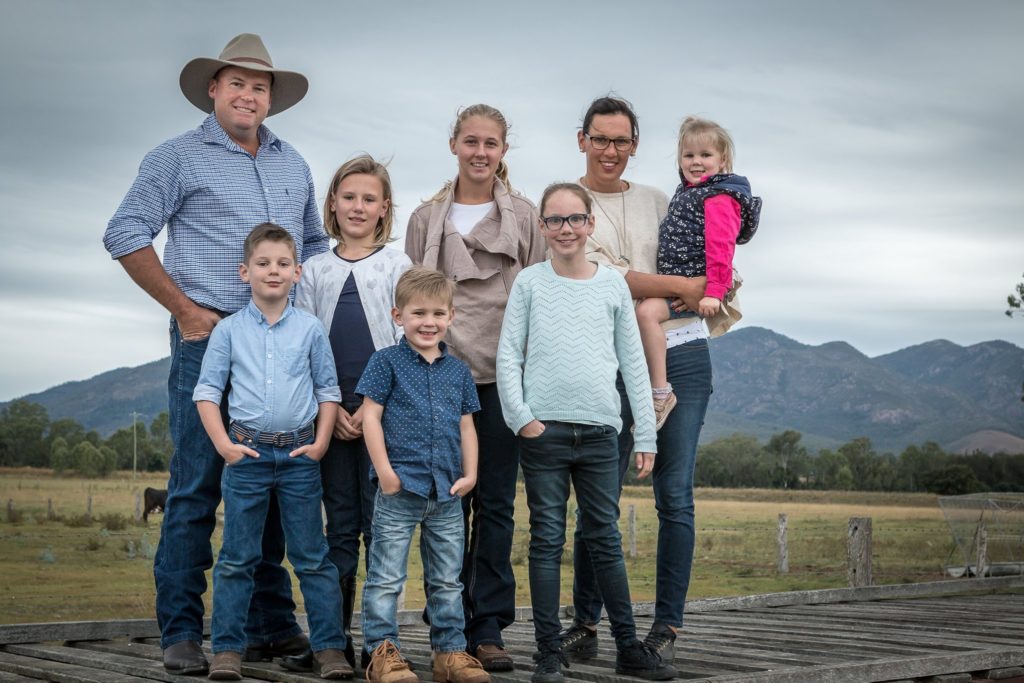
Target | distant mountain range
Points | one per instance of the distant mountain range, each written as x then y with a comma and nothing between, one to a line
963,398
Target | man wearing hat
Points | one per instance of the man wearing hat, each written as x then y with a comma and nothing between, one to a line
210,187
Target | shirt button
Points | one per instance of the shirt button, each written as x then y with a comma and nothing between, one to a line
270,381
270,355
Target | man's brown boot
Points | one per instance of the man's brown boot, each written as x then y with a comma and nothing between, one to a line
458,667
387,666
227,666
331,664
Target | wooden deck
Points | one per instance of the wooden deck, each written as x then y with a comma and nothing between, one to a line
944,632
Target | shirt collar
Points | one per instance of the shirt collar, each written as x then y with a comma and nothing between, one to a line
253,311
416,355
214,133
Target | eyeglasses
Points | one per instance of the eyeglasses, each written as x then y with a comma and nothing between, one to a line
575,221
602,142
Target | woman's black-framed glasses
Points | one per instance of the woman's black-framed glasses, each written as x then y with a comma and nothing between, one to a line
575,221
602,142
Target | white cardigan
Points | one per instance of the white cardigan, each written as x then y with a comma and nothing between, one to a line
324,276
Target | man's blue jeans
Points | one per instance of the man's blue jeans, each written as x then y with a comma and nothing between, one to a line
489,598
193,494
689,372
395,518
247,487
348,501
588,456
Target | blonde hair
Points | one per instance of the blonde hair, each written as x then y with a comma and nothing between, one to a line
424,282
694,128
362,164
571,188
488,112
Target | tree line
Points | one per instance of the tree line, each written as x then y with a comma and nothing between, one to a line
29,439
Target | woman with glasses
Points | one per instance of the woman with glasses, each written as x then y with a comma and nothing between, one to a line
627,216
481,233
569,328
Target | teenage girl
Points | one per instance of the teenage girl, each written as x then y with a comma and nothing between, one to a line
351,289
558,393
711,212
480,232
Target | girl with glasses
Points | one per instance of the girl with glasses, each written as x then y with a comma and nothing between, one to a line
569,328
481,233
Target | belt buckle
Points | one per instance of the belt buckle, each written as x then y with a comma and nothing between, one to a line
279,439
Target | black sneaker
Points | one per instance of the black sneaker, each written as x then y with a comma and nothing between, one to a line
638,659
662,640
579,643
549,667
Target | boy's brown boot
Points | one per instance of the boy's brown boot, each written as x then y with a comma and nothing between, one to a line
387,666
227,666
458,667
331,664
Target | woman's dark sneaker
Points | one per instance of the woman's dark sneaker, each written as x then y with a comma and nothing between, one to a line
638,659
579,643
662,640
548,668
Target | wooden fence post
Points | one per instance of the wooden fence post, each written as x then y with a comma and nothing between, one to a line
88,507
138,506
11,514
858,546
632,531
981,557
783,562
50,515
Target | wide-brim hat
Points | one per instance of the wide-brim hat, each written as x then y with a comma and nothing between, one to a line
245,51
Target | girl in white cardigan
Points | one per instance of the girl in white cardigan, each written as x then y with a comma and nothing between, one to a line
352,289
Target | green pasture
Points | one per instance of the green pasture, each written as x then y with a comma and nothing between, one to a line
71,567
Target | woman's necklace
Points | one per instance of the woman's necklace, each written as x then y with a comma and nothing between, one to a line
620,230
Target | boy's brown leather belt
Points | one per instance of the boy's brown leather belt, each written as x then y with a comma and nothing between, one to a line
279,439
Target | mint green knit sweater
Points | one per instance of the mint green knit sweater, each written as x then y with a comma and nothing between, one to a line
562,341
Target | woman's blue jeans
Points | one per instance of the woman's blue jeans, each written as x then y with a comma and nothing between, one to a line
586,455
689,372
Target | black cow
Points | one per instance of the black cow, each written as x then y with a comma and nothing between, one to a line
154,500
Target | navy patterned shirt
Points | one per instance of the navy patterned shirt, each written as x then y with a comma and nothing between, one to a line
423,405
210,193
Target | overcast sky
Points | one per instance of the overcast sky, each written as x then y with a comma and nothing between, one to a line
884,138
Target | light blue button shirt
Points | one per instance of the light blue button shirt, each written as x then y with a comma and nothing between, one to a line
278,373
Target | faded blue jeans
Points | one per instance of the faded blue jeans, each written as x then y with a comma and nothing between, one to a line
193,494
689,372
395,519
247,486
588,456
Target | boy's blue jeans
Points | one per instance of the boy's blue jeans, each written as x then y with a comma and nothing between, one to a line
395,518
247,487
689,372
193,494
588,456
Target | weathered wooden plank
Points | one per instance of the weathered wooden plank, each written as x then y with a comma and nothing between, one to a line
60,672
6,677
1003,674
82,630
133,667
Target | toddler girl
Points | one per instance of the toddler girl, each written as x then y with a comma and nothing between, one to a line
711,212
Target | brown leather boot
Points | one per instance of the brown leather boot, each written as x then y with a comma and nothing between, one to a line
227,666
331,664
387,666
458,667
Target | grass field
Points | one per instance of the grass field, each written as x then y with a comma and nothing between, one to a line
70,568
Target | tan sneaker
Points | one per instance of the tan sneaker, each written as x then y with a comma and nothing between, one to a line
387,666
331,664
227,666
662,407
458,667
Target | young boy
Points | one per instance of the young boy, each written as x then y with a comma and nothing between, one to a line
278,363
418,403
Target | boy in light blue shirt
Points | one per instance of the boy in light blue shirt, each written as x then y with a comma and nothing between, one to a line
279,365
